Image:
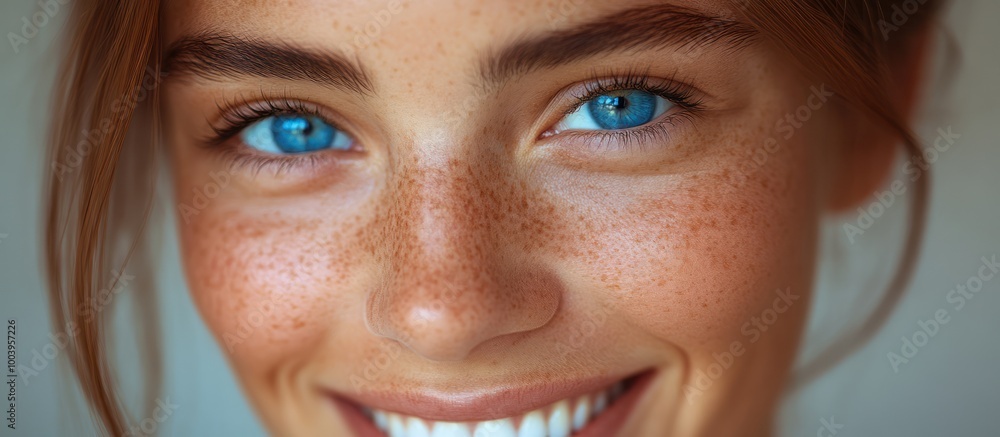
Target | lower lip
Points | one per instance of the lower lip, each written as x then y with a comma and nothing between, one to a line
608,423
356,419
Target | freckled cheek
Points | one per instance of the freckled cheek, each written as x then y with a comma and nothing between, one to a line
267,287
721,280
692,267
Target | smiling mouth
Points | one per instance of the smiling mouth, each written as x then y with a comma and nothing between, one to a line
586,413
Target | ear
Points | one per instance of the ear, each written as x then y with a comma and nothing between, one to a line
867,158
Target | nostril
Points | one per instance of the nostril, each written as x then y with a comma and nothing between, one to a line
446,323
433,330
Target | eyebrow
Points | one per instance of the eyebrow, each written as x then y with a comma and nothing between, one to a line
218,56
646,27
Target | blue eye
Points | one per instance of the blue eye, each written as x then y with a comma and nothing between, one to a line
616,110
288,134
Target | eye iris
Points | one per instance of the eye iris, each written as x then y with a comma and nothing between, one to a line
623,109
298,134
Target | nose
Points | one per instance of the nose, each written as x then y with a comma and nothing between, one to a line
451,275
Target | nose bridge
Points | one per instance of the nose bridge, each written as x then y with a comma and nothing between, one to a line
449,282
441,208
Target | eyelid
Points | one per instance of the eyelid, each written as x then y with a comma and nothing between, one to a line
658,129
675,91
632,148
687,100
642,149
570,98
236,115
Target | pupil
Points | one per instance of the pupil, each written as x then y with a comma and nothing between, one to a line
298,125
623,110
613,102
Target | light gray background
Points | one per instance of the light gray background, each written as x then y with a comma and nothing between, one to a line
951,388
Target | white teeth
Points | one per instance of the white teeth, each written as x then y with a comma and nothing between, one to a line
396,426
380,420
558,420
533,425
581,413
448,429
416,428
495,428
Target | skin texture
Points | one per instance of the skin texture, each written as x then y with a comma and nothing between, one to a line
481,247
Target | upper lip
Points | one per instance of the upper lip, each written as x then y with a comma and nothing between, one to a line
479,404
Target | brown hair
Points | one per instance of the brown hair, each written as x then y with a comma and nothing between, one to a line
89,215
94,219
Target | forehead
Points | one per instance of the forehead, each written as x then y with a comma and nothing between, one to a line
370,27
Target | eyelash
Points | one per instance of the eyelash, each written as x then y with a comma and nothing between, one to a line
674,91
238,114
237,117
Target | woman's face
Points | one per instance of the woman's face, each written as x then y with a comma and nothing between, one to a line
481,217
